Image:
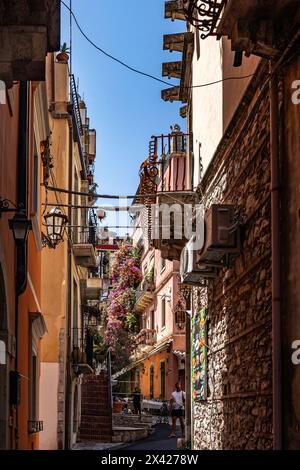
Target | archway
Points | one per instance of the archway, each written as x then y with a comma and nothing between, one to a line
3,366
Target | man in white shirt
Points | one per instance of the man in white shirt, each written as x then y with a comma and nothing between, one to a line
177,409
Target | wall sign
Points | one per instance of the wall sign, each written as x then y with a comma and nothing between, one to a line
199,355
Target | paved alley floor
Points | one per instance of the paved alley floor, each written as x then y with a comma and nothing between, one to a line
157,441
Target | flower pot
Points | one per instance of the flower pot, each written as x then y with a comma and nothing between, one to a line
91,159
62,57
117,407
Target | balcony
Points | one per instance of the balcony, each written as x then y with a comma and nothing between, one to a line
28,30
82,351
144,295
172,186
180,42
93,288
260,28
174,10
146,337
253,26
84,248
35,426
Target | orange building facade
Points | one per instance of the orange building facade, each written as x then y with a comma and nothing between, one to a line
24,126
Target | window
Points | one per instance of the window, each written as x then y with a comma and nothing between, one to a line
75,315
33,386
152,381
152,320
35,181
163,312
37,329
162,264
75,211
162,380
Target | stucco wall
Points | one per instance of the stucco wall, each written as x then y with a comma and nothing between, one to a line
207,103
49,405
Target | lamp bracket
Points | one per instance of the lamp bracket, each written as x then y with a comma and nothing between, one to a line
6,205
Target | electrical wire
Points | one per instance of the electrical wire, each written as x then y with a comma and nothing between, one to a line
141,72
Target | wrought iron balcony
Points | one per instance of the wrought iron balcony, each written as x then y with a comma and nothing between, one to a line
144,295
146,337
74,99
35,426
204,15
166,182
84,247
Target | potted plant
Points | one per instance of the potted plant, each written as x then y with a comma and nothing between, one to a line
91,158
63,55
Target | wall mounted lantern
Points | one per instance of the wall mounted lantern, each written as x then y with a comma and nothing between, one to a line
20,227
55,223
180,319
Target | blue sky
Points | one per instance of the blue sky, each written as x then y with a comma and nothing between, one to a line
125,108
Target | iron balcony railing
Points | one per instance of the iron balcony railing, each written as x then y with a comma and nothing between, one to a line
144,287
146,337
35,426
75,104
205,15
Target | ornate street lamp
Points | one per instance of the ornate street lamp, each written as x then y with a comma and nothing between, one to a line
180,319
55,223
20,227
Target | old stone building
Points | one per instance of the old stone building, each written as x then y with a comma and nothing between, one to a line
237,413
238,85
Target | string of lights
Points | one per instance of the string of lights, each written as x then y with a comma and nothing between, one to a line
141,72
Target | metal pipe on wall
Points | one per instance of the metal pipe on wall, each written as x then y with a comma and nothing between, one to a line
69,297
275,232
22,200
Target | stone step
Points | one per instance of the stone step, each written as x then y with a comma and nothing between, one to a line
129,434
95,420
96,437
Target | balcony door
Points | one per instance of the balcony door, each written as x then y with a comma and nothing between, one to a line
163,380
151,381
152,320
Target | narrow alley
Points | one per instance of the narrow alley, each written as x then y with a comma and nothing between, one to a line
149,225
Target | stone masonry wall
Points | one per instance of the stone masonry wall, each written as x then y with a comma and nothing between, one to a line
238,411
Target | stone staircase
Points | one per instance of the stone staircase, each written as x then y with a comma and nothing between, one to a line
96,413
130,428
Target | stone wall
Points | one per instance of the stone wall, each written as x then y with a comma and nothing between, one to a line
238,411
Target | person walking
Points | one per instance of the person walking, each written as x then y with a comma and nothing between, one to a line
177,402
137,399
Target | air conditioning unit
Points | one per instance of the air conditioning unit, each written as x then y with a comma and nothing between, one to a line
191,271
221,235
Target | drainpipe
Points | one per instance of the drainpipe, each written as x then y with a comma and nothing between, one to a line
69,297
188,379
275,231
22,200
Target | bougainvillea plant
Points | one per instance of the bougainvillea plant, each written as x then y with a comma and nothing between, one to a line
120,320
